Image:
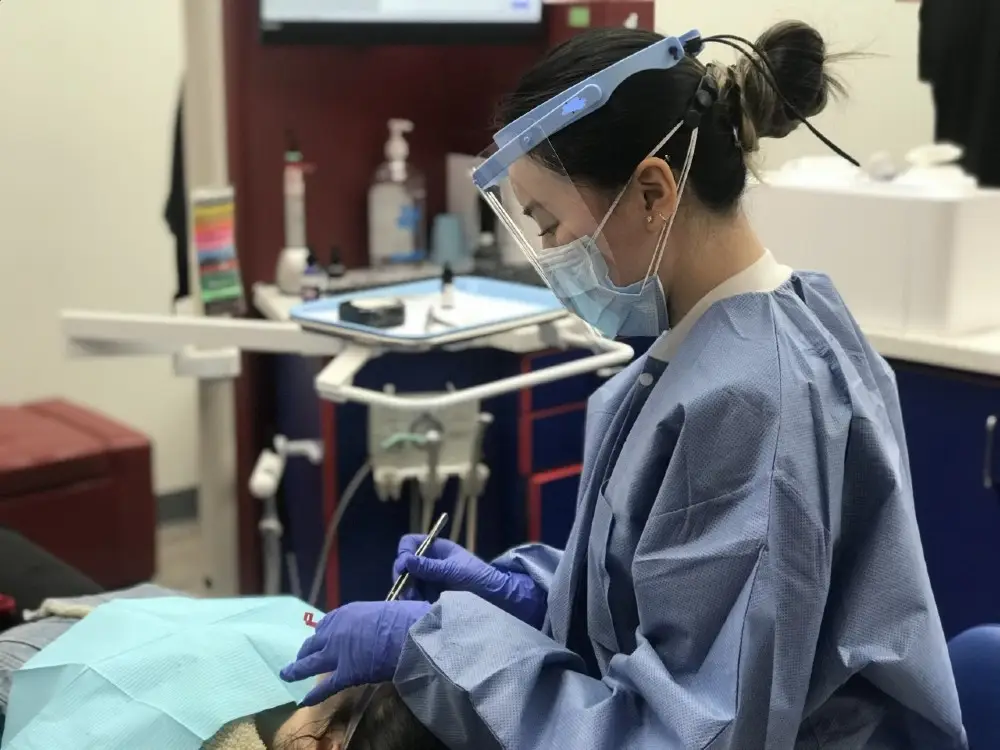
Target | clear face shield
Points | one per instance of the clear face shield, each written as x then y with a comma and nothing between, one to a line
600,259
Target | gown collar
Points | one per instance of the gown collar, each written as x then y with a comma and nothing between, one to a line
764,275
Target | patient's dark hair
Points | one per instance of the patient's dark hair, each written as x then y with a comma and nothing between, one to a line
603,149
387,723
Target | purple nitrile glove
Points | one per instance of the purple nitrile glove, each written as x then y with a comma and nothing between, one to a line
447,566
357,644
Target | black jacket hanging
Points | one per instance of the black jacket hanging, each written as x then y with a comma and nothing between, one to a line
960,59
176,211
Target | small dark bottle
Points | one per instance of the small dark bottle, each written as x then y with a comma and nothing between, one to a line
447,288
336,269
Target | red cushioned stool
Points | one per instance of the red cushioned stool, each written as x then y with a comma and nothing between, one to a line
79,485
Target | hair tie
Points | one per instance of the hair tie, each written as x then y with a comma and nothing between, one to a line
703,100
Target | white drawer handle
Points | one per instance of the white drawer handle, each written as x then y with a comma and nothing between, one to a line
991,427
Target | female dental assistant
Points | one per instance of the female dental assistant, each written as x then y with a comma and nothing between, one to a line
744,570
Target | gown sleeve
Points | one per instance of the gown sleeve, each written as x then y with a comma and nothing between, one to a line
536,560
707,643
473,675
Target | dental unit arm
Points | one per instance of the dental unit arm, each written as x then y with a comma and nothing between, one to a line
123,334
210,349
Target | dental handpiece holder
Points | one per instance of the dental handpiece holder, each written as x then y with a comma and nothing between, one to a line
265,481
425,451
427,447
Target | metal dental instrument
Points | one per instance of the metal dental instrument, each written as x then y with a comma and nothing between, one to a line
404,579
397,588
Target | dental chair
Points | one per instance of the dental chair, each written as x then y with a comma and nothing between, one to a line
975,658
80,486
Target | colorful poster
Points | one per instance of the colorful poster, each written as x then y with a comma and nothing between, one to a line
213,220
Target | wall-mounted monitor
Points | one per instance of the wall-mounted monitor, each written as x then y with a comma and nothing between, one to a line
400,21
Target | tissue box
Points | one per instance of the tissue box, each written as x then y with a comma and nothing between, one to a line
904,261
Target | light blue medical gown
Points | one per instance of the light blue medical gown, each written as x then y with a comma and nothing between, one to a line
744,570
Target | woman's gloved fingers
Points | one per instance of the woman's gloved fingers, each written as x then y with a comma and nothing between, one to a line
311,644
414,590
439,549
444,552
426,570
399,564
409,543
309,666
318,640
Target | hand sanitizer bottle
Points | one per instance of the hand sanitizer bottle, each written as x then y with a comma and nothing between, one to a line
397,216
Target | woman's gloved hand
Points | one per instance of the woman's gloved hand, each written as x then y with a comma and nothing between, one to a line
447,566
357,644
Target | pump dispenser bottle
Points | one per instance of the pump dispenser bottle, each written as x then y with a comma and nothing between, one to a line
397,217
295,194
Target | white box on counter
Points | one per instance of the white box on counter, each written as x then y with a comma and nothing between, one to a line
904,259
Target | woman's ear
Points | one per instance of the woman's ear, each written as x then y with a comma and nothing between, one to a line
655,180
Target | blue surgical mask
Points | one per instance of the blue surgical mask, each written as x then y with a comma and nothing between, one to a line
578,275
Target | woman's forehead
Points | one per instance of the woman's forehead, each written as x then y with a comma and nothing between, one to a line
534,183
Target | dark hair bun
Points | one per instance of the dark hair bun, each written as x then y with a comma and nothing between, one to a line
798,60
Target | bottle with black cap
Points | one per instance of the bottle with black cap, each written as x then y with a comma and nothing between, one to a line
447,288
336,269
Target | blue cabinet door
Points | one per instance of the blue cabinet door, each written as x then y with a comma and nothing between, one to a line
558,506
945,415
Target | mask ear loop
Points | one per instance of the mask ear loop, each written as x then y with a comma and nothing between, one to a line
704,98
661,243
617,200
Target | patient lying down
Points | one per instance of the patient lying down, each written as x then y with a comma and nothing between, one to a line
174,681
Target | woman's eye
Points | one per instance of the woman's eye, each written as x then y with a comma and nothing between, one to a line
549,232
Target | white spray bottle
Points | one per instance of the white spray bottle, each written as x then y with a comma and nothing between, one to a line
397,216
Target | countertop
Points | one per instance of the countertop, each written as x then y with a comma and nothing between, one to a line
976,353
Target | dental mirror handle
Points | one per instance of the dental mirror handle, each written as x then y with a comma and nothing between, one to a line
397,589
400,585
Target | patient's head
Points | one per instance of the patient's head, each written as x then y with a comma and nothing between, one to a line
387,724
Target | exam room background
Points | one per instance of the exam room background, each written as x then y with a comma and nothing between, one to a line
89,90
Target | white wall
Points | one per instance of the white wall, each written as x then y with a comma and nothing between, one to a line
888,108
89,91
